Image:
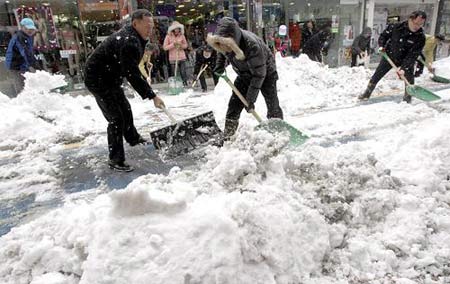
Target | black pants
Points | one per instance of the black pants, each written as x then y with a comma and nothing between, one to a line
203,80
314,56
384,67
354,56
268,90
117,111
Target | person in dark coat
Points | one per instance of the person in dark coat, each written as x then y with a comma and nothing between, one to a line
403,43
254,64
317,44
205,55
20,55
309,29
360,45
116,58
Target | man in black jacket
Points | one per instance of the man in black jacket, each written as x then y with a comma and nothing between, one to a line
254,64
403,43
116,58
205,55
361,44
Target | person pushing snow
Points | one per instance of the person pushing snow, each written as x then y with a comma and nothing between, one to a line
403,43
254,64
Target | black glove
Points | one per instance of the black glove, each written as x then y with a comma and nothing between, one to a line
251,106
219,71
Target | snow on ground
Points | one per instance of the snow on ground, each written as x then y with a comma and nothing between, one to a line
365,200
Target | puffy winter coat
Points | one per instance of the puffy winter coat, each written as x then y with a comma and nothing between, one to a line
402,45
362,42
20,54
118,57
171,41
251,58
200,59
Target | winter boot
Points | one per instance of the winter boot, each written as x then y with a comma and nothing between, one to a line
231,126
407,98
140,140
120,166
367,92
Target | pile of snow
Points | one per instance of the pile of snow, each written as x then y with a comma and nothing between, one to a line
365,200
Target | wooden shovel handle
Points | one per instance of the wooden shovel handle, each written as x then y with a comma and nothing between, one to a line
395,67
199,74
167,112
240,96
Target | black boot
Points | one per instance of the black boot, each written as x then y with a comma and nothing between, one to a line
367,92
140,140
231,126
407,98
120,166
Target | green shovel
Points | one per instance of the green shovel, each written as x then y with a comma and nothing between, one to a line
273,126
413,90
435,77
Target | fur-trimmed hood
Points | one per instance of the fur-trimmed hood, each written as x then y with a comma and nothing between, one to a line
176,25
227,33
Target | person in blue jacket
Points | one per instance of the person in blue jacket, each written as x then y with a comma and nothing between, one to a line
20,55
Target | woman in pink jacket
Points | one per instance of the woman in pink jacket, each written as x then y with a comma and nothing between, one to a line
175,43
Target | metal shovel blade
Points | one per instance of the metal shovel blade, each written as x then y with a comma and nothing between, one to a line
440,79
187,135
422,93
277,126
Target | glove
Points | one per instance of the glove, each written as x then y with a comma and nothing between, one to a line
177,45
400,73
381,49
158,102
251,106
149,80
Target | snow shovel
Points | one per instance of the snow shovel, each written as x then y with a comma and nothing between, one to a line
435,78
184,136
199,74
273,126
413,90
175,84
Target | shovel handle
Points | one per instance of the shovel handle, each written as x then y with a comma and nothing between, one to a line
167,112
240,96
199,74
395,67
430,68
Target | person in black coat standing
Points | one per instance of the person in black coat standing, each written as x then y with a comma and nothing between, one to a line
116,58
205,55
403,43
360,45
254,64
309,29
317,44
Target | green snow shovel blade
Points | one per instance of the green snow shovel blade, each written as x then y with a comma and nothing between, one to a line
414,90
276,126
175,86
440,79
422,93
435,78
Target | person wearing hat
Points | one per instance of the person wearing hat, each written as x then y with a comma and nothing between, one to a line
175,43
361,45
427,54
20,55
254,64
205,55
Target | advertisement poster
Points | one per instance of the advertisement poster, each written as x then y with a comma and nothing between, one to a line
379,25
42,16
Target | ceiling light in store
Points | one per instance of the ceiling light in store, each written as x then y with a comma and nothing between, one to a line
201,5
185,13
177,10
181,6
160,2
309,4
6,1
292,3
192,10
101,1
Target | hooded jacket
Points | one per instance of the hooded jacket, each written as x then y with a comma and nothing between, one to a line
250,58
171,41
316,43
402,45
20,54
362,42
118,57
